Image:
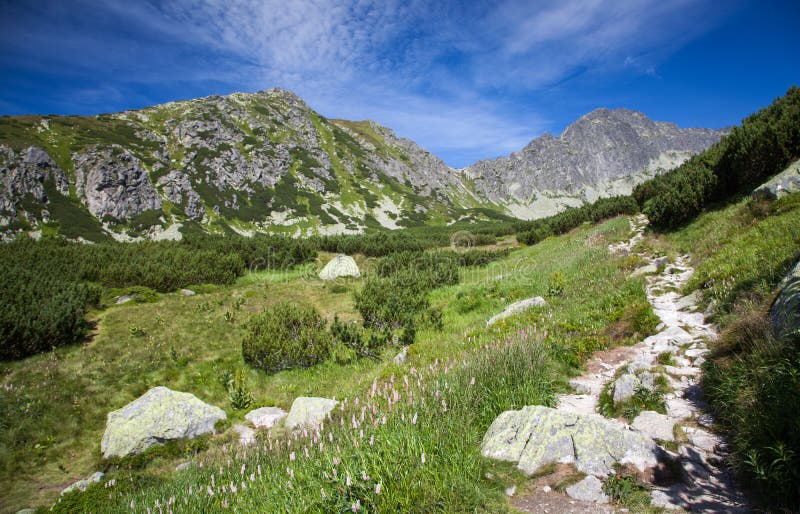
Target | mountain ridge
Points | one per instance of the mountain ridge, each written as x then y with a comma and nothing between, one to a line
266,161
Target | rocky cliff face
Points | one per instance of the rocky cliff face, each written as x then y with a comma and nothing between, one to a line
267,161
605,152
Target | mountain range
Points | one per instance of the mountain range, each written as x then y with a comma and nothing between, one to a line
267,162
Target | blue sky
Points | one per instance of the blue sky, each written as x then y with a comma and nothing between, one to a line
467,80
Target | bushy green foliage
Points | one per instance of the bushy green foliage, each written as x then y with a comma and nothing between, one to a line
375,244
39,311
534,231
753,382
476,257
48,285
763,145
285,336
435,269
387,303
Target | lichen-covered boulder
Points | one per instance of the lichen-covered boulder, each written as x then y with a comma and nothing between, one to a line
655,425
536,436
340,266
265,417
159,415
785,310
516,307
309,411
782,184
624,387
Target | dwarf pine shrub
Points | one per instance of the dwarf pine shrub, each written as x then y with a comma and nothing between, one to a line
285,336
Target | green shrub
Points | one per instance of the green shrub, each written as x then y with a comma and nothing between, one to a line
763,145
753,383
555,284
434,269
285,336
387,303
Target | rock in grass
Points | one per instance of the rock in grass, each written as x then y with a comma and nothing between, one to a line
516,307
159,415
309,411
187,292
247,435
782,184
340,266
785,310
400,358
590,489
536,436
265,417
625,387
655,425
82,485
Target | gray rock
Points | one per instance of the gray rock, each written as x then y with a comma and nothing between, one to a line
309,411
590,489
82,485
655,425
157,416
607,146
23,175
644,270
265,417
125,299
782,184
400,358
624,387
516,308
340,266
187,292
247,435
536,436
26,511
785,309
112,182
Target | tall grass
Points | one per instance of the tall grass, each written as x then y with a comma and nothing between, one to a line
408,444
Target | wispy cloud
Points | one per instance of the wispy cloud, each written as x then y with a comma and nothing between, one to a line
446,74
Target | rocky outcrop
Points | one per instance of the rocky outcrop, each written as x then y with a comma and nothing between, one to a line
158,416
340,266
23,176
785,309
516,308
309,411
113,183
604,152
535,436
266,161
782,184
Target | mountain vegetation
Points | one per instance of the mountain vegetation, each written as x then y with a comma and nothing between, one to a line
259,328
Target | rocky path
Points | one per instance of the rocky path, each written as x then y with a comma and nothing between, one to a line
671,360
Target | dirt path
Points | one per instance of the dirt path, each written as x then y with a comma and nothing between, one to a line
705,485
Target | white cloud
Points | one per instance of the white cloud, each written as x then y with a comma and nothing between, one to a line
445,75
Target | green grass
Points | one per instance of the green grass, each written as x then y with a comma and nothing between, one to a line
751,380
56,409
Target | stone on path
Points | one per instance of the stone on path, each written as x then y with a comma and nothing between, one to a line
655,425
157,416
535,436
644,270
309,411
590,489
265,417
82,485
625,387
517,307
